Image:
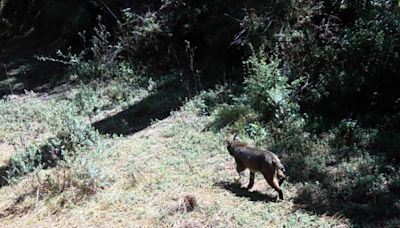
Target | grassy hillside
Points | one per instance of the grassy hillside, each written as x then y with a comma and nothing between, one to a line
137,151
150,173
124,124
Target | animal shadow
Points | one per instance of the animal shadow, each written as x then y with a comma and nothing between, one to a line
239,191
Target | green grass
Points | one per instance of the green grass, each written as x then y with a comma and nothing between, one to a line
32,119
150,172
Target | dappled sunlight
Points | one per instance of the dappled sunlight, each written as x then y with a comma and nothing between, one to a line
125,113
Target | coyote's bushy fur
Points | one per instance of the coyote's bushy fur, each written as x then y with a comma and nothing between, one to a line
257,160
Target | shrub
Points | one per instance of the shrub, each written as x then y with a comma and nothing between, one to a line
104,57
83,173
23,163
267,109
266,88
269,91
24,120
336,162
68,143
87,100
230,114
101,60
89,170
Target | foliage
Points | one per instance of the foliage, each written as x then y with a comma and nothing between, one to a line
340,162
347,50
268,91
268,99
85,172
320,90
31,118
75,137
100,61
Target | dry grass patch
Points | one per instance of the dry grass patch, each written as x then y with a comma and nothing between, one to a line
6,151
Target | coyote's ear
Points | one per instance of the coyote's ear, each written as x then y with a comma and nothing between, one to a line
235,136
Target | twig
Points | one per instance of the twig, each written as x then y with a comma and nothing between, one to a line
37,198
44,59
303,87
108,9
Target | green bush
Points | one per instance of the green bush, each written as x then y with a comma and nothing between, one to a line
229,114
104,58
75,138
22,163
266,88
269,91
334,163
100,61
88,169
87,100
267,109
31,119
352,57
78,175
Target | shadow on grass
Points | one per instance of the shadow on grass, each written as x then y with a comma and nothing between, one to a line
17,208
138,117
236,189
20,71
378,212
326,189
43,157
3,175
365,209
